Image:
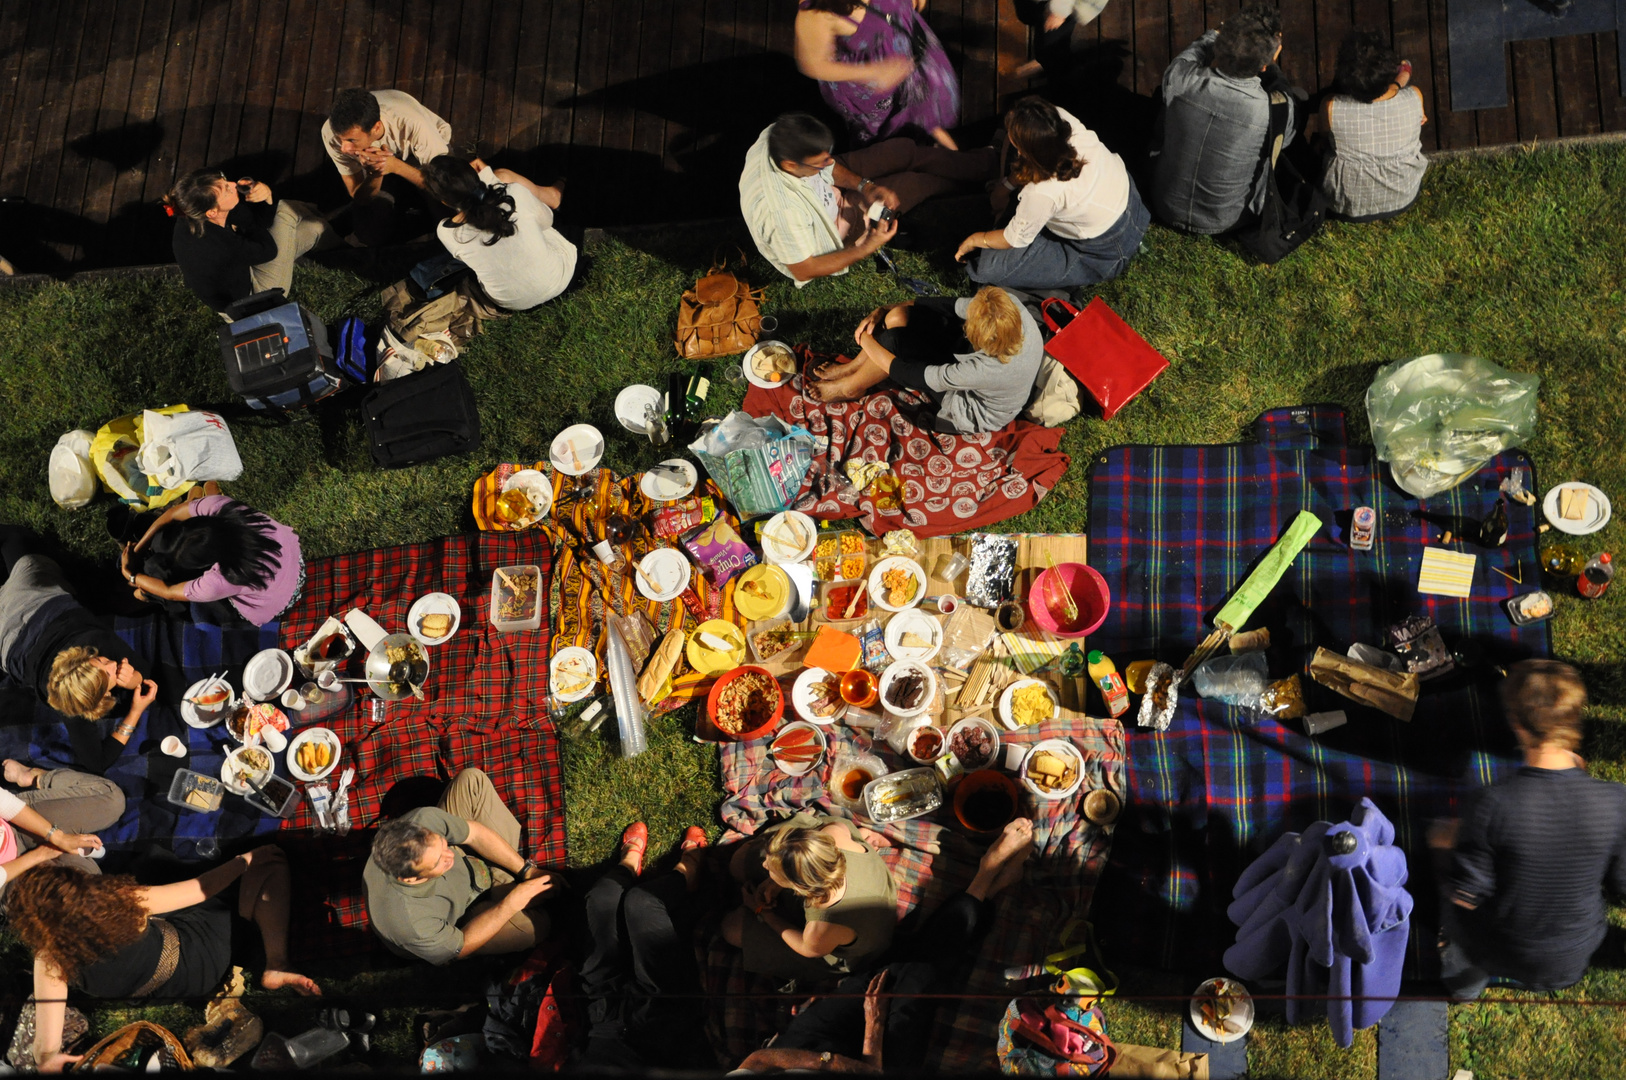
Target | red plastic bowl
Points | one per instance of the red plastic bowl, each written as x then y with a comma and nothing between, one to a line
991,781
755,733
1089,591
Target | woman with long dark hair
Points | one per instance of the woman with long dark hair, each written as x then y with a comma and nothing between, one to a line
215,551
1078,220
109,937
502,229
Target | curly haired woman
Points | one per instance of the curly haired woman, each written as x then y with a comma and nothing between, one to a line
104,936
819,899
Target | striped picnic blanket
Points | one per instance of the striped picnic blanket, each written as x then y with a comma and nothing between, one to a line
929,862
486,707
1174,529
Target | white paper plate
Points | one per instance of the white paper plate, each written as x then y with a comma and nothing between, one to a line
229,769
1598,510
1241,1010
776,527
556,678
629,406
913,621
752,377
878,592
587,442
537,487
435,603
312,734
198,717
664,487
1055,746
801,697
268,674
891,674
1009,693
799,769
667,570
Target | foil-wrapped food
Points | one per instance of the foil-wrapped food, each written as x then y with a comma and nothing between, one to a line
902,795
991,579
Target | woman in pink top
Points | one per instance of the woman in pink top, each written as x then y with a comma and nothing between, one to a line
214,550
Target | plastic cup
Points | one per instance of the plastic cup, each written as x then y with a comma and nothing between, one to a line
769,324
313,694
292,699
275,740
952,565
173,746
860,688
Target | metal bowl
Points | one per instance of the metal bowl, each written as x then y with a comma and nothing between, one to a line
409,674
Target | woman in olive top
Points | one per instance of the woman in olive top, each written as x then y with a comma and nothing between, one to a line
827,906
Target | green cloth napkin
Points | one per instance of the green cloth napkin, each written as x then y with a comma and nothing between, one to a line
1252,592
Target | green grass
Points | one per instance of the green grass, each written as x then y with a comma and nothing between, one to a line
1517,258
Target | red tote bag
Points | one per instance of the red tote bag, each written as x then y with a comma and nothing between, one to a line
1103,353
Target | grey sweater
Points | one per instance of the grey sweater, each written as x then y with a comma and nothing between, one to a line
979,392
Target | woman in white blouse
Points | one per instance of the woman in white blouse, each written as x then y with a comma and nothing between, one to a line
1078,220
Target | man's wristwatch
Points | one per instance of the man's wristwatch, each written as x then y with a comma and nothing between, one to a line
863,183
130,578
527,866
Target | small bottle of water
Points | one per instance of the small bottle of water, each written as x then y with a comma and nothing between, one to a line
380,706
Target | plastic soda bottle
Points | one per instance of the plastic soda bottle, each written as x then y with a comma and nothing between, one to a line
1595,578
1104,674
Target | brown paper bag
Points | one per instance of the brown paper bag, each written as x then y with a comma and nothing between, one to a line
1153,1063
1390,691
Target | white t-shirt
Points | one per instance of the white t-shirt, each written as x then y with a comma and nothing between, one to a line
523,270
411,132
1077,209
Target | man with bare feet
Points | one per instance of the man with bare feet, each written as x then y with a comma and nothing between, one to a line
639,978
892,1023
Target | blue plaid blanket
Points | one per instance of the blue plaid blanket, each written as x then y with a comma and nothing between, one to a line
1174,529
176,652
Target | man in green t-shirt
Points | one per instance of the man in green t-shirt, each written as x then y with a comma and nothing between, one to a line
448,882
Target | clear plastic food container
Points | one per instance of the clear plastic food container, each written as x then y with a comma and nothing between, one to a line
276,797
196,791
505,580
840,555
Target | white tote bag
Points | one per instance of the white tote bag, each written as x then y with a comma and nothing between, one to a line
193,445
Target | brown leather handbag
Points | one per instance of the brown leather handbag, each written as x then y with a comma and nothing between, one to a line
720,316
130,1046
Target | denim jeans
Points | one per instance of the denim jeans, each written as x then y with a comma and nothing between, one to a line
1051,262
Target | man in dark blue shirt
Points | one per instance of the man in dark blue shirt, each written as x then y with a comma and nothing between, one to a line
1523,897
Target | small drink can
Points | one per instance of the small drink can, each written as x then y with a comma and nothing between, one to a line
1363,529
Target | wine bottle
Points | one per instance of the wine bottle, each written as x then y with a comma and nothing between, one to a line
679,422
1493,530
694,393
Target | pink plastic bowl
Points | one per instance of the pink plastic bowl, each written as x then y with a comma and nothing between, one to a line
1089,591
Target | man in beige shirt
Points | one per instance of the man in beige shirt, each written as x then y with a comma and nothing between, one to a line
374,134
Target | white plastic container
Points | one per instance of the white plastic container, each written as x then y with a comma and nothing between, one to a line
531,621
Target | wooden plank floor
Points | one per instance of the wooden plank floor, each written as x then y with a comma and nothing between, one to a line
646,106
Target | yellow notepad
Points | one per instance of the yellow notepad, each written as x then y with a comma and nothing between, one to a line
1446,573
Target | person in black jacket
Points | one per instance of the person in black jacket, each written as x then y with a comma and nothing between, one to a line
234,239
69,657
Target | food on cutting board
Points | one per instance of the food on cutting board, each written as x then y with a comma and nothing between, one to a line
1051,770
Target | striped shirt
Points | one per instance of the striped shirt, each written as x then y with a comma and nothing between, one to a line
1377,163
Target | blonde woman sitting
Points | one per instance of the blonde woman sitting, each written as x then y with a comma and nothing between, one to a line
819,899
68,656
975,358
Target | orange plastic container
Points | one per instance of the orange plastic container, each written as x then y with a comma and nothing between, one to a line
833,651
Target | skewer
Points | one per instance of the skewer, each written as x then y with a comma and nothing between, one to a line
1507,575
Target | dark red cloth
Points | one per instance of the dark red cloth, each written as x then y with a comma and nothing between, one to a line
486,708
947,483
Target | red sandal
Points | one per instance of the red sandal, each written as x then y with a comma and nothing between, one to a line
694,838
634,842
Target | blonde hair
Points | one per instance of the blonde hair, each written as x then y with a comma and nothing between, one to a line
808,859
1544,699
76,686
993,323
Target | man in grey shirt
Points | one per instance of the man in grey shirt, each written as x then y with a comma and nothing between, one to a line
1207,168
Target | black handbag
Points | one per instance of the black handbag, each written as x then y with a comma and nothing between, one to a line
420,417
1295,206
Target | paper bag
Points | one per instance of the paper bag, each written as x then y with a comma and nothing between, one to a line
1389,691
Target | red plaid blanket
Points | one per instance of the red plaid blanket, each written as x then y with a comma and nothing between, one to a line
929,862
938,484
486,707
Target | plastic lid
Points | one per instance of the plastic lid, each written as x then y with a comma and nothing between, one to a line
1604,557
1095,656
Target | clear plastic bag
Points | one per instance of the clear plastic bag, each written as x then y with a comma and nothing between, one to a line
1437,418
1235,680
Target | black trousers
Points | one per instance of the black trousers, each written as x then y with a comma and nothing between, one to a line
640,978
926,962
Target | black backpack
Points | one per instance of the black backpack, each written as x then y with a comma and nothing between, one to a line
1295,206
277,354
420,417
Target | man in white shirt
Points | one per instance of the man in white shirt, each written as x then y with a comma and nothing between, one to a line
374,134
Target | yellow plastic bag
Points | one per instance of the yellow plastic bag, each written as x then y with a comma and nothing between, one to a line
113,452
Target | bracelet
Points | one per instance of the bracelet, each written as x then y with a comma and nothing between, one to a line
862,184
52,831
130,578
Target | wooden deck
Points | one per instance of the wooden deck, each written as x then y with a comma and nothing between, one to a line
646,105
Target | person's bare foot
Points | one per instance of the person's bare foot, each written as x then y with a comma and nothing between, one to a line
831,391
21,775
944,139
830,369
1015,839
1011,872
289,980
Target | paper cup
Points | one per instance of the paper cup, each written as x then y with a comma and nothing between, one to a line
293,699
275,741
172,746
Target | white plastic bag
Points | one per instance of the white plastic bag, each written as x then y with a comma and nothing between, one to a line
193,445
1438,418
72,477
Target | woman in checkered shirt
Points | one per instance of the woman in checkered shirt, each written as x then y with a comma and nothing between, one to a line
1375,125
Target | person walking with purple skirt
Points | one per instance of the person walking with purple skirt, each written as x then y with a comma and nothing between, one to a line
880,66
